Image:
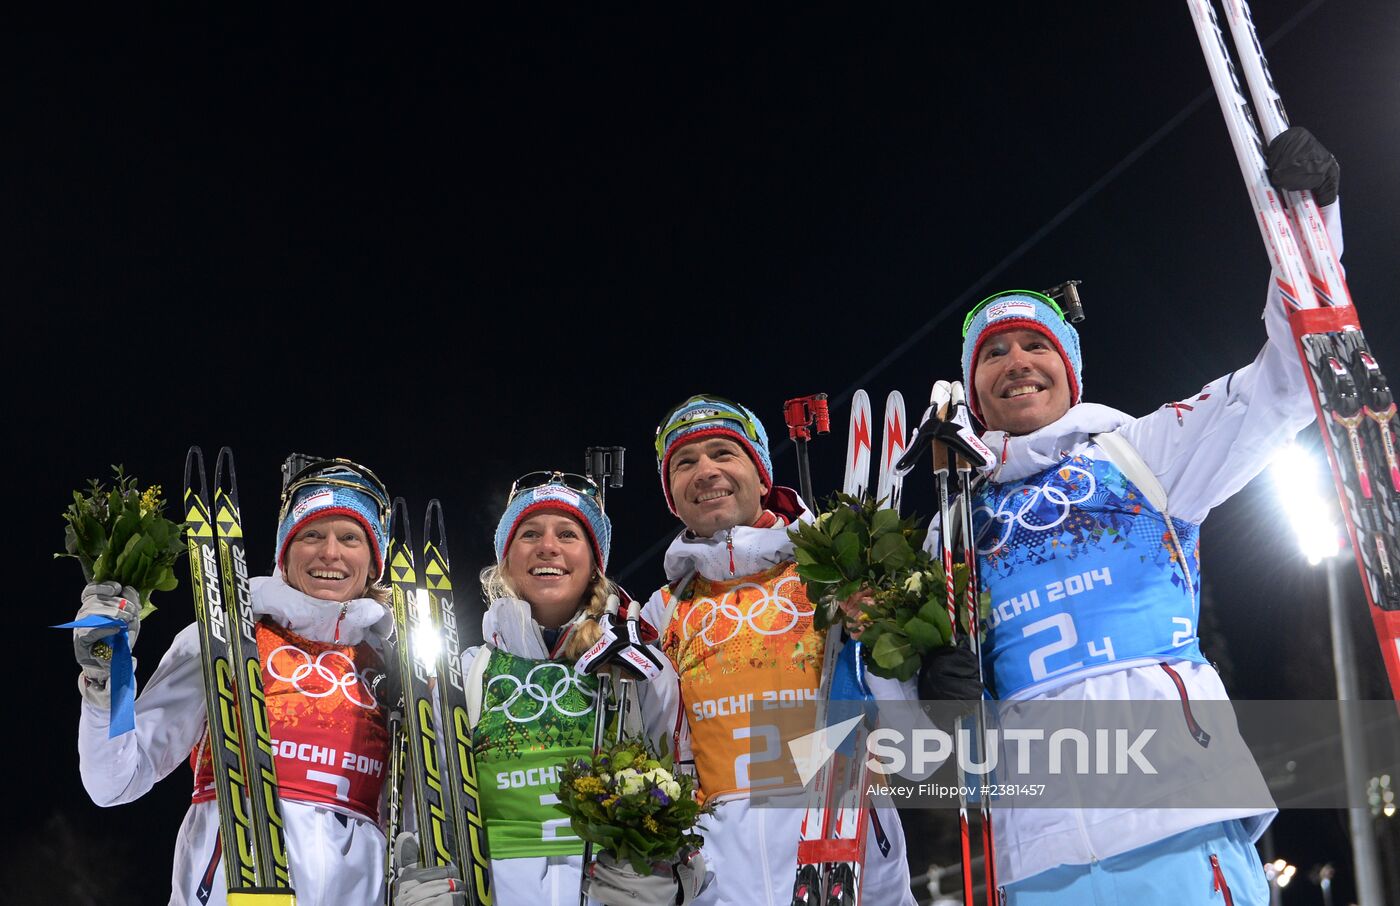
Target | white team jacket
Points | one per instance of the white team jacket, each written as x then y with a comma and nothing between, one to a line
753,851
1201,453
553,880
337,857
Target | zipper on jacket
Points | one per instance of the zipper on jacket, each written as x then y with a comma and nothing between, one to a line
1084,835
343,608
730,543
1220,883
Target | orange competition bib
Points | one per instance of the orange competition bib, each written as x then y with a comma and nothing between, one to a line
739,646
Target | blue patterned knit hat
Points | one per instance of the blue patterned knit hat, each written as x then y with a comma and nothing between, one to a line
580,502
337,492
705,415
1020,309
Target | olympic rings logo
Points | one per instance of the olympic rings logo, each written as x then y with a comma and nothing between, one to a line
1026,506
703,618
354,685
535,691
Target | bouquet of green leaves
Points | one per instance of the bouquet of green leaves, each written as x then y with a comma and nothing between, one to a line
859,548
120,534
630,802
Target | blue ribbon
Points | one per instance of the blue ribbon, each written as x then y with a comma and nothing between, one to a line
122,683
849,690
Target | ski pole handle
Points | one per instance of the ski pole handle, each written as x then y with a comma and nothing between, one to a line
923,435
804,413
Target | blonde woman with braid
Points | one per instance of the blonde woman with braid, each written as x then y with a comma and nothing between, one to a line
531,710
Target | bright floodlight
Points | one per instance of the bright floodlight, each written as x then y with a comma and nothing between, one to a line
1306,500
1279,872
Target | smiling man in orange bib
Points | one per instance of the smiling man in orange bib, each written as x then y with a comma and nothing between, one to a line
735,621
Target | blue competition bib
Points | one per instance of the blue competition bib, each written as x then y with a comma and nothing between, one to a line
1082,571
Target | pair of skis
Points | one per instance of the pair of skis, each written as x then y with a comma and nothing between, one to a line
1350,393
251,831
252,836
441,771
831,849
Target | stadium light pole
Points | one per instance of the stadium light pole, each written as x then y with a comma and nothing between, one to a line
1306,500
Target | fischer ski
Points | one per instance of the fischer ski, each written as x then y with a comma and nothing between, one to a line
462,792
251,833
413,628
1355,408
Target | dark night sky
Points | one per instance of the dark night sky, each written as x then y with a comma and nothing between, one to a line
464,252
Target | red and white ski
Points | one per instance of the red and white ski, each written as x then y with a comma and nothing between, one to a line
857,480
1353,400
890,486
831,848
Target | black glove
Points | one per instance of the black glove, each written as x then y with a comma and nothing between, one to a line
951,674
620,645
1297,160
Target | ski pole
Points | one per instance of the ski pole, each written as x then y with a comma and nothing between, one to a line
942,477
964,470
818,854
942,480
600,726
803,415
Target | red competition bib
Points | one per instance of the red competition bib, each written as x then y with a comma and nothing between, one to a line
329,732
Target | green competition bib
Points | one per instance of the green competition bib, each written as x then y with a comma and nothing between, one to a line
535,716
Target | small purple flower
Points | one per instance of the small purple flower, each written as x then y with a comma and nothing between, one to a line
661,797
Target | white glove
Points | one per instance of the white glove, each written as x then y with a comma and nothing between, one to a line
415,885
91,646
614,883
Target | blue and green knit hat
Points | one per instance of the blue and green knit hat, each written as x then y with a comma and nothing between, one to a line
1020,309
336,490
573,495
706,415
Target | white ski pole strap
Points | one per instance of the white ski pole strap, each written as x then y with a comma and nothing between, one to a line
1130,462
984,459
679,589
473,682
